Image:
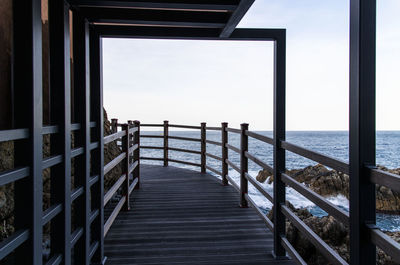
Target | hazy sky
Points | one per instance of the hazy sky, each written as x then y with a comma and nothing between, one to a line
189,82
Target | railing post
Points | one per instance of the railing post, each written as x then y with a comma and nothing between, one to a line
224,140
362,129
136,153
279,135
114,126
203,147
244,146
130,123
125,148
165,143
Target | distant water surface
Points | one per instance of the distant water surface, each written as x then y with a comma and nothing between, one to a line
331,143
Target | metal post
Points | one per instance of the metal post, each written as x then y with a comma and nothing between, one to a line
224,140
279,135
244,146
114,126
60,93
203,147
130,125
28,113
125,148
165,143
136,154
362,128
96,96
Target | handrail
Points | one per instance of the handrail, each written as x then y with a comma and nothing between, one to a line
151,147
113,163
184,126
268,222
151,136
214,170
214,128
213,142
12,135
233,148
233,183
258,186
151,125
258,162
184,162
233,130
112,137
214,156
385,243
184,150
232,165
317,157
110,193
184,138
384,178
260,137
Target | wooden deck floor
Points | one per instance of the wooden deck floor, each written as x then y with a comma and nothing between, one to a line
181,216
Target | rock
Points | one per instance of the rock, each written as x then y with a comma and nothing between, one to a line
332,183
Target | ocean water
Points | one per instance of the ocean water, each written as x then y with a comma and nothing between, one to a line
332,143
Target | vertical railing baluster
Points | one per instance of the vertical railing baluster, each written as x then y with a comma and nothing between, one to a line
125,148
279,135
114,125
244,146
203,134
136,153
165,143
224,140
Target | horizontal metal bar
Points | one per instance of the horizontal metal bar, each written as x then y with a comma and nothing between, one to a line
214,170
214,128
214,156
110,193
151,147
133,130
112,137
260,137
133,185
133,148
233,148
151,136
51,161
151,125
330,254
93,215
133,166
9,244
258,162
76,193
232,130
94,145
50,129
93,124
184,126
12,135
184,138
386,243
114,162
93,180
267,222
76,235
292,252
77,151
13,175
184,162
233,183
317,157
51,212
75,126
213,142
152,158
183,150
384,178
320,201
55,260
232,165
258,186
93,247
113,215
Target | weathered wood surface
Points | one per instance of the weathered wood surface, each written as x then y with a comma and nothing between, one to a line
181,216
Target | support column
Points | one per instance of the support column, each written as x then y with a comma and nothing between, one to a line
279,135
244,146
203,134
224,140
165,143
136,154
362,128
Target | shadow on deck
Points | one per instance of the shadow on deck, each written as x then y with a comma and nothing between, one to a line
181,216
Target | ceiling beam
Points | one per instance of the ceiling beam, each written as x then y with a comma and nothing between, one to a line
236,17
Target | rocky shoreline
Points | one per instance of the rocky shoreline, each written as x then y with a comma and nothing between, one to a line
332,183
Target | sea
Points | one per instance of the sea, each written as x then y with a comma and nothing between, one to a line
331,143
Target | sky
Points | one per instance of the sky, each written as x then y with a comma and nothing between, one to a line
188,82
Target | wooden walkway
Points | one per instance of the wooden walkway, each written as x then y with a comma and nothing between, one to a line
181,216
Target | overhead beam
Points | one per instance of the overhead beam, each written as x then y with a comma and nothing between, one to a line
236,17
155,17
210,6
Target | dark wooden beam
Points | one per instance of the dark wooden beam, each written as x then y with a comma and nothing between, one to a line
236,17
155,17
213,6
